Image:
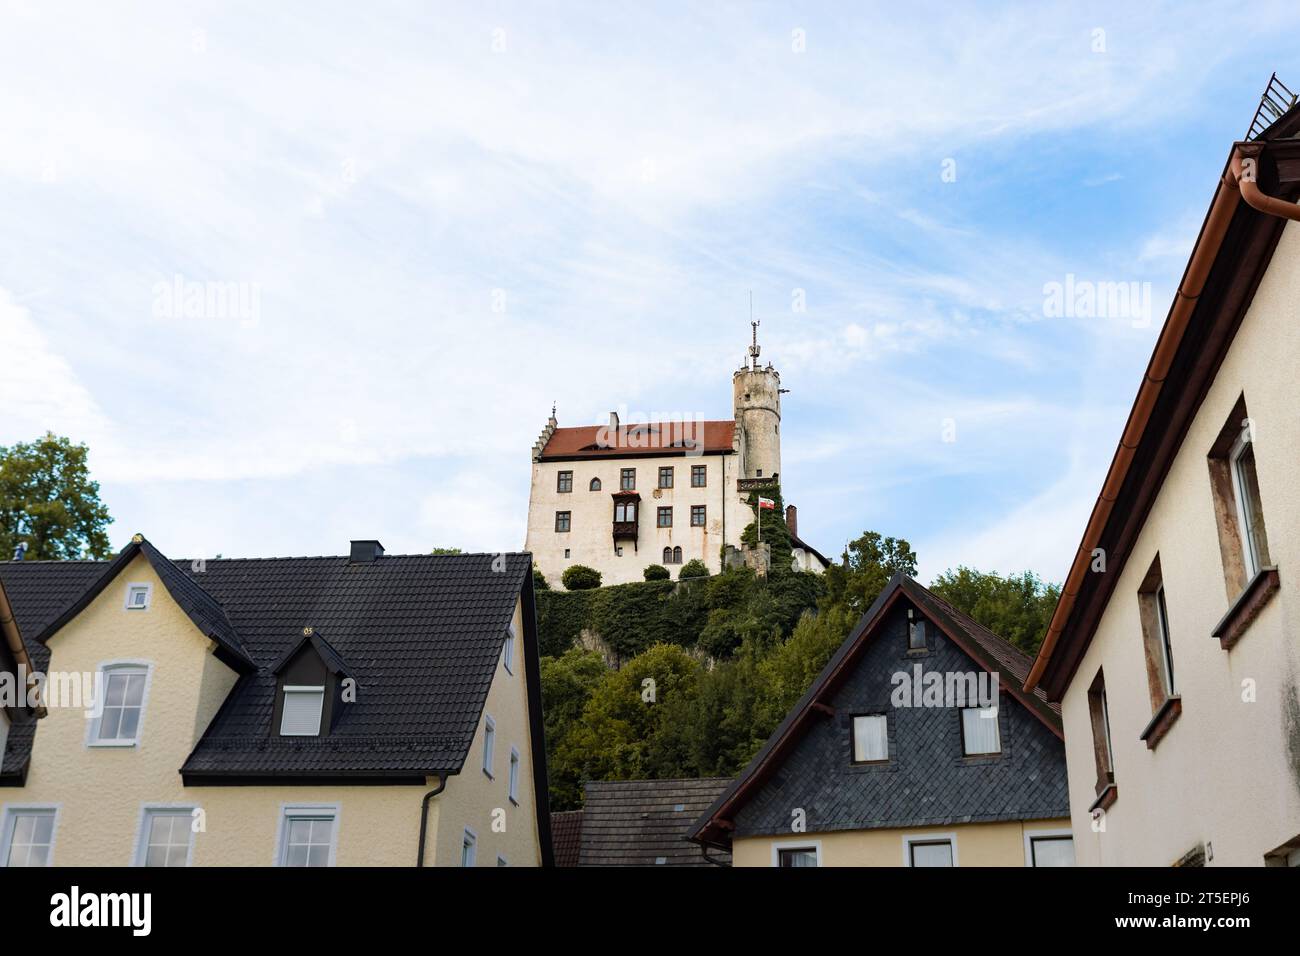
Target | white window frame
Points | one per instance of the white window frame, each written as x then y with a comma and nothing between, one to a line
147,812
1250,549
1032,835
909,838
297,811
473,848
513,788
853,740
133,587
288,689
5,723
97,714
8,820
489,745
814,845
508,652
997,731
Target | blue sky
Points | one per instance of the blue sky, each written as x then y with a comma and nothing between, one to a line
447,219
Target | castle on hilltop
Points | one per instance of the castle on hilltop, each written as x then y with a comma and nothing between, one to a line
621,496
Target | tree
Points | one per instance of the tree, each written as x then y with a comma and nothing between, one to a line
1017,607
694,568
539,580
48,499
865,568
579,577
446,551
656,572
567,684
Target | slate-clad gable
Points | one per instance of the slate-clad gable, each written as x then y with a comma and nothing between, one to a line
927,780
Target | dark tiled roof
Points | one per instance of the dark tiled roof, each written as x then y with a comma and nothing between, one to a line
646,822
566,834
421,634
654,438
982,645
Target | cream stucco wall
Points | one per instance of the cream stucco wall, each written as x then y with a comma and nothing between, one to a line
976,844
100,793
1227,774
590,538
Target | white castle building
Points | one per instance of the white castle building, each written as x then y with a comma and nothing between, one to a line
622,496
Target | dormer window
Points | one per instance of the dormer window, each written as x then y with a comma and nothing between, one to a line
301,711
137,596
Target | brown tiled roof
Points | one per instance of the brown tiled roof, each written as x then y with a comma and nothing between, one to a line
646,822
566,836
654,438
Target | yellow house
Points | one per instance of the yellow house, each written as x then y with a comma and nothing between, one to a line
915,746
359,710
1174,649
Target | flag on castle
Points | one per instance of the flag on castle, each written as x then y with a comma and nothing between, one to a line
766,503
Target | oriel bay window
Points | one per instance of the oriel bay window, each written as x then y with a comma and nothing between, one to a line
626,504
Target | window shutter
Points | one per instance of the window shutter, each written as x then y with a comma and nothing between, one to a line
300,716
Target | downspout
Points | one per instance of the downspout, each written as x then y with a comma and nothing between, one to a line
1236,180
424,814
704,852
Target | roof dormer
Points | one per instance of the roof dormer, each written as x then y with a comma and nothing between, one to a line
311,685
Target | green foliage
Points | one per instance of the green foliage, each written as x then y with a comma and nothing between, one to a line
1017,607
579,577
657,572
539,580
694,568
48,500
865,568
446,551
614,737
567,682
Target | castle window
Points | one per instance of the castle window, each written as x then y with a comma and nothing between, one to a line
564,482
666,477
677,555
697,516
668,555
563,520
664,518
699,476
625,511
595,485
760,472
627,479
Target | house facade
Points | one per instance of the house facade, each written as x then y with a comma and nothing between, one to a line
625,495
915,746
1175,649
359,710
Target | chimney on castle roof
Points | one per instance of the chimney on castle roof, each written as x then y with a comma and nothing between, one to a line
792,520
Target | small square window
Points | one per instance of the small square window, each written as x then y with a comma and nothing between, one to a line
870,738
564,482
166,837
627,479
979,731
562,520
301,710
138,596
28,838
666,477
699,476
664,518
307,836
697,516
566,554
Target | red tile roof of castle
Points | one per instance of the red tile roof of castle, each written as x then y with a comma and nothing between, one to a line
640,440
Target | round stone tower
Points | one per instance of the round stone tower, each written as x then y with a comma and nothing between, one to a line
756,398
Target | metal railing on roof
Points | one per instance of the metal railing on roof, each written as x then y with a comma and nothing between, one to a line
1277,99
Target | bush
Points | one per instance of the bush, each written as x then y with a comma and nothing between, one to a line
539,580
579,577
656,572
694,568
